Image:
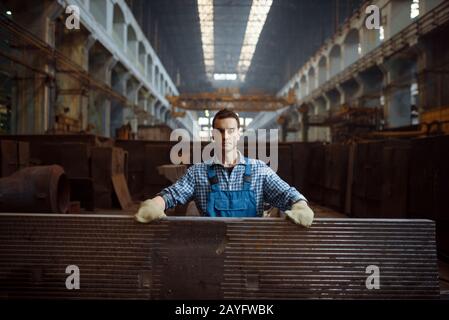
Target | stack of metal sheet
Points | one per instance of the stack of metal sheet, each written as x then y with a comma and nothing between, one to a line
211,258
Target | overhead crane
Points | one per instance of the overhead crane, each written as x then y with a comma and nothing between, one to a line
231,100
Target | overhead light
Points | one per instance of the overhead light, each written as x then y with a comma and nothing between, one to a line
225,76
9,13
206,15
256,20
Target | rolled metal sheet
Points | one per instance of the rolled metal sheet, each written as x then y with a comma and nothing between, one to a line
213,258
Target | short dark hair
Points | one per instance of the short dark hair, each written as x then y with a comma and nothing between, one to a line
226,113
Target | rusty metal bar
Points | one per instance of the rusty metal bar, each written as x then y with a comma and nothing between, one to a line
212,258
26,65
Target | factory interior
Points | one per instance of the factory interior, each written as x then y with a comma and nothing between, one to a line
106,103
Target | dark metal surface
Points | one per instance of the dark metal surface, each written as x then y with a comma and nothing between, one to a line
136,161
74,157
105,163
380,178
198,258
335,175
14,155
278,260
35,189
24,154
428,185
142,161
8,157
395,175
37,140
82,190
315,177
155,155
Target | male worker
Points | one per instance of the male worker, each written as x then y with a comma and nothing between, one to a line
230,186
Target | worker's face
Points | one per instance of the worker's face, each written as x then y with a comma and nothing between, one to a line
227,133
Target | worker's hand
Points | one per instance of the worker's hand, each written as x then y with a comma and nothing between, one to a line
151,210
301,214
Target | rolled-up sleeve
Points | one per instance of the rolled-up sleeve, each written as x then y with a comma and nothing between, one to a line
181,191
279,193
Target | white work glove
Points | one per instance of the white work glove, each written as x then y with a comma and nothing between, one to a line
301,214
150,211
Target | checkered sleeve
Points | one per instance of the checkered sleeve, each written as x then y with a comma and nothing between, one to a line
277,192
181,191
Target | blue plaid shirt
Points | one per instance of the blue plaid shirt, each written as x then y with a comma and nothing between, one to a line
268,186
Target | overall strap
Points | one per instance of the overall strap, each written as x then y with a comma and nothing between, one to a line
247,175
213,179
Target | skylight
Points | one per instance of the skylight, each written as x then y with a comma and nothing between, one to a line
414,9
206,15
256,20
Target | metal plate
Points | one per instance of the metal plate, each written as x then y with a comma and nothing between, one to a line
73,157
9,158
198,258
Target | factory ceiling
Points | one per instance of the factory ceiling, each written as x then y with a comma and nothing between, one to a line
202,40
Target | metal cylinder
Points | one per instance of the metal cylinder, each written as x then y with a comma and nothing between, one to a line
35,189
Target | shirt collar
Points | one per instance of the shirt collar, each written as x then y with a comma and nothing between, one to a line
215,160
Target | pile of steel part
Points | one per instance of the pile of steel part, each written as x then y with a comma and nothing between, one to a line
159,132
35,189
215,258
96,170
432,122
439,117
401,178
350,122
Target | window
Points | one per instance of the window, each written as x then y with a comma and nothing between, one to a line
206,15
202,121
225,76
256,20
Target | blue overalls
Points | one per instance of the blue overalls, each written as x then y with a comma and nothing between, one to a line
237,203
